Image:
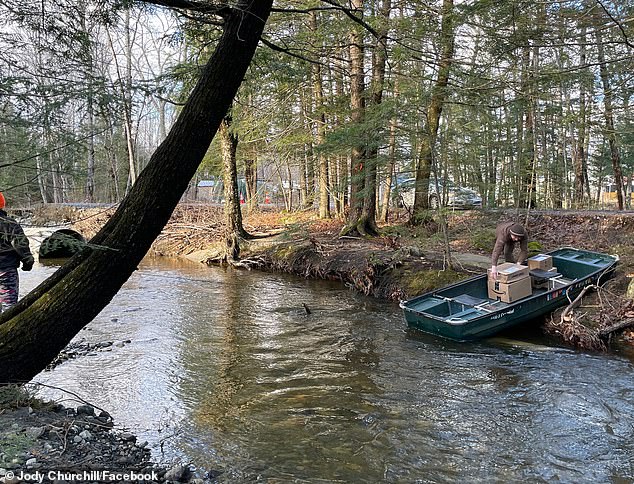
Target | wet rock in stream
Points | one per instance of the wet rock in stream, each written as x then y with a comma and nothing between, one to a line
84,348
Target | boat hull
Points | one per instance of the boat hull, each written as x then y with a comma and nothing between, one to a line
472,322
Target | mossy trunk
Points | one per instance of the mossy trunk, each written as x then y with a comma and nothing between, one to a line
34,331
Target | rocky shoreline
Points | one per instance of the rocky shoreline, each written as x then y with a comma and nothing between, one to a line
51,443
83,348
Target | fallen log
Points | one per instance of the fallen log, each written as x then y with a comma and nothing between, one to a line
614,328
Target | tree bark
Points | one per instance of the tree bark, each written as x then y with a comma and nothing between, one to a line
320,130
251,179
233,212
368,217
34,331
357,105
579,153
608,114
434,111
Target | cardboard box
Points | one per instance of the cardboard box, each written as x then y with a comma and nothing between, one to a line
509,292
509,272
541,262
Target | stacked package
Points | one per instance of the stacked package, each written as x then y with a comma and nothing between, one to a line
513,283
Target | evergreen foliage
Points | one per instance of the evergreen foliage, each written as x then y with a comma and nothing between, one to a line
522,117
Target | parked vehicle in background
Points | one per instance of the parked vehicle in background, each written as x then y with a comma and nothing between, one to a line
448,194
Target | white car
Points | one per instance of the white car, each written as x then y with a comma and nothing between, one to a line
450,195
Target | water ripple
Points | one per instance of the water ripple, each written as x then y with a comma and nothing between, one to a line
241,378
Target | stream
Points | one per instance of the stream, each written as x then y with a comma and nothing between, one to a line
226,369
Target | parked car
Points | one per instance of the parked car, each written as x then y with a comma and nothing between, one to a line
449,194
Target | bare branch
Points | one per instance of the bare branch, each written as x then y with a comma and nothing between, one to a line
351,13
618,24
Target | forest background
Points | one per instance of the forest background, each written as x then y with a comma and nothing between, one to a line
528,103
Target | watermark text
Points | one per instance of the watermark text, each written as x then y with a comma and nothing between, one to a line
95,476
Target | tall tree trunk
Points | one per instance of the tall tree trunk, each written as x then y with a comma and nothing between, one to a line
320,129
579,153
127,106
491,161
526,161
390,168
368,216
340,177
434,111
114,192
34,331
58,189
251,180
608,114
233,213
41,178
90,165
357,105
124,82
304,159
90,108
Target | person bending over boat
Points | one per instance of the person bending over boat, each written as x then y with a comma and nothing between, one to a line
14,248
508,234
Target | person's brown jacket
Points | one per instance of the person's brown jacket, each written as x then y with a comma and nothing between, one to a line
505,244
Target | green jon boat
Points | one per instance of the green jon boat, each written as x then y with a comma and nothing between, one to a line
464,312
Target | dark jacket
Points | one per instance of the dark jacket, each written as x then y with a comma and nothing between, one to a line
14,245
505,244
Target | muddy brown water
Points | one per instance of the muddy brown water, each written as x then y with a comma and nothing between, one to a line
225,369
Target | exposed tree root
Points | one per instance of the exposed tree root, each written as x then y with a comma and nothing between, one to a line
612,315
571,331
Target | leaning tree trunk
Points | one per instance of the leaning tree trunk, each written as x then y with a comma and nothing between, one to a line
34,331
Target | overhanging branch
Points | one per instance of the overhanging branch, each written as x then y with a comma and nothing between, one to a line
284,50
618,24
351,14
200,7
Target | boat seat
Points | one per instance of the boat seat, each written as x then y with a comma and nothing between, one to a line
464,315
429,304
467,300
